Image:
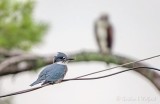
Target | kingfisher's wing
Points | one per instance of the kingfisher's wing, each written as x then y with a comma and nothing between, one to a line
55,74
42,75
51,73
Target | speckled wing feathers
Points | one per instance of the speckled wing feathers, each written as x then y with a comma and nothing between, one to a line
51,74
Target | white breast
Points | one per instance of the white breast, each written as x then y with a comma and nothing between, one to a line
61,63
102,35
101,32
101,29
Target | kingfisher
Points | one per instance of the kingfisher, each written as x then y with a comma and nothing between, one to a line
104,34
54,73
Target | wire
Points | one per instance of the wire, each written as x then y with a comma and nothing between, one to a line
32,89
118,66
111,74
80,77
24,91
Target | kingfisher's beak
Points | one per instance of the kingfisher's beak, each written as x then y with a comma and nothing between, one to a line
70,59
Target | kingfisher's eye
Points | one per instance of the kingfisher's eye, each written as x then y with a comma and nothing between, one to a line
62,58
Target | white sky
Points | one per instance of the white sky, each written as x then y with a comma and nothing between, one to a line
136,24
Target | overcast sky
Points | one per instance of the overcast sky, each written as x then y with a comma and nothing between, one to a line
136,24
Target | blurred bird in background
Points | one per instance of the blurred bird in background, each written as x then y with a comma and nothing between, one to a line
104,34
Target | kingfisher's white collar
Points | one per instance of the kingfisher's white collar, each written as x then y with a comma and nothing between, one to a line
61,63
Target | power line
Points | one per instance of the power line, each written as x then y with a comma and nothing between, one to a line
118,66
135,68
80,77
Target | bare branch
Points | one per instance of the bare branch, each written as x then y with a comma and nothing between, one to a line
5,53
23,63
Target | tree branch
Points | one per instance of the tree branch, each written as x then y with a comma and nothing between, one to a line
30,62
5,53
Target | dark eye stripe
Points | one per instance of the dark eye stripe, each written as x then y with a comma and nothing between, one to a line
62,58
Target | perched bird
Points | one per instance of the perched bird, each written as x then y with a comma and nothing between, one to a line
55,72
104,34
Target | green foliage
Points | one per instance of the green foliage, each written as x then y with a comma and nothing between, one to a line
18,30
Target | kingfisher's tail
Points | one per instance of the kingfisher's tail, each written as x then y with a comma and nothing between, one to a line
36,82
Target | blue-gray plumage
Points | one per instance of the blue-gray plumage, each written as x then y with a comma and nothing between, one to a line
55,72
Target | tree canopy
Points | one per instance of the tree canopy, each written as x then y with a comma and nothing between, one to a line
18,29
